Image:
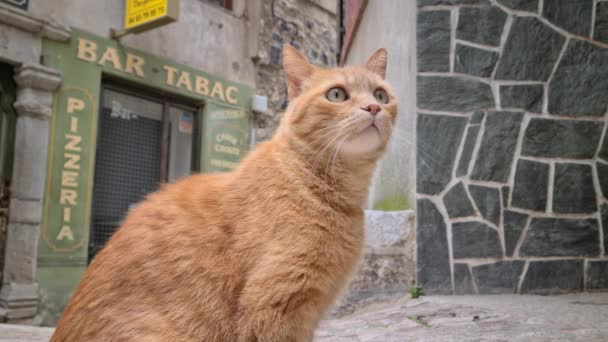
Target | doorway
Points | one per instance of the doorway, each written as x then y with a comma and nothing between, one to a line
8,118
143,140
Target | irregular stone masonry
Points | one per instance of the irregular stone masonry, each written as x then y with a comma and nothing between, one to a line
512,153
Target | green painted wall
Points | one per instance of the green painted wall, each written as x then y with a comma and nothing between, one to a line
64,234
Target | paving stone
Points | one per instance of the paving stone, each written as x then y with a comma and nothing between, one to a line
433,260
457,202
495,154
499,277
572,16
476,117
597,274
436,153
573,189
531,184
528,97
474,61
604,149
467,151
463,283
580,83
433,41
521,5
602,175
553,276
601,22
450,2
550,138
453,94
514,223
475,240
530,51
487,200
482,25
553,237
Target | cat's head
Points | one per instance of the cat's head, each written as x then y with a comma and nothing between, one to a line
350,110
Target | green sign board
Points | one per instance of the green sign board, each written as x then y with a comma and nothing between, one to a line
67,203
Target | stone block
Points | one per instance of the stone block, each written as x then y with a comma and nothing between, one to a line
528,97
573,189
463,282
21,253
453,94
602,175
604,215
531,183
597,274
505,195
573,139
421,3
25,211
436,150
580,83
388,228
499,277
20,300
474,61
487,200
572,16
556,276
432,258
514,224
433,41
600,31
497,148
29,164
475,240
521,5
467,151
481,25
476,117
555,237
531,50
457,202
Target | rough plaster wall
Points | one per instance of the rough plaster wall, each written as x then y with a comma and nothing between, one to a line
392,24
205,37
310,26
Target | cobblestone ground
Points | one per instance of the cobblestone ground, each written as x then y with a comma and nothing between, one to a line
580,317
575,317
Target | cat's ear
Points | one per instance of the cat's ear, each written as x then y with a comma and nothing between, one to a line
377,62
297,70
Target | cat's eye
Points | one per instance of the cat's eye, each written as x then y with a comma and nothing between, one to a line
381,95
336,94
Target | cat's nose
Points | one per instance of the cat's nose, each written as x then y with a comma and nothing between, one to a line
373,109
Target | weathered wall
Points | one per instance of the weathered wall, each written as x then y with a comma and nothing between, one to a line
392,24
512,154
206,36
310,26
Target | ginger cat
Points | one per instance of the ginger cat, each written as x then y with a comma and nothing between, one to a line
258,254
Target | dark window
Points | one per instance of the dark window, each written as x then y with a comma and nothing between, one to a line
141,142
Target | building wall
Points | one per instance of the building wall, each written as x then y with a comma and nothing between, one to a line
206,36
512,153
312,27
392,24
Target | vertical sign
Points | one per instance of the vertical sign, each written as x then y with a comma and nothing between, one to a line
141,15
226,131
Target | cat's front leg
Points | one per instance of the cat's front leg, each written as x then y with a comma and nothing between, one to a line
279,307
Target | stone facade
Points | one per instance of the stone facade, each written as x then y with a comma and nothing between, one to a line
512,155
312,27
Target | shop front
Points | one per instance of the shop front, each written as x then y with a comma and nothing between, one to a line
123,122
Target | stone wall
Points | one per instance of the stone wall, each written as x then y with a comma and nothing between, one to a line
312,27
512,158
